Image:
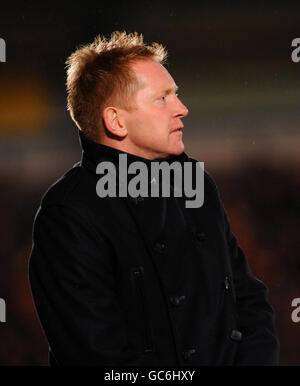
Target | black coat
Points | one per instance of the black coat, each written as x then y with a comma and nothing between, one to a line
123,281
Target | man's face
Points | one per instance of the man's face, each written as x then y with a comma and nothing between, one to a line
154,125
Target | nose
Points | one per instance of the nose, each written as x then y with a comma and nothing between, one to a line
181,110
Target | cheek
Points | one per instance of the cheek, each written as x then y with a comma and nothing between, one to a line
159,116
150,128
153,125
160,123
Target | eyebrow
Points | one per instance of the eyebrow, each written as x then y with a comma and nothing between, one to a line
167,91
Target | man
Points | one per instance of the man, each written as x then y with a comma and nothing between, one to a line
140,280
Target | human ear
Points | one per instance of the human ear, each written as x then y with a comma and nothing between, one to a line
114,122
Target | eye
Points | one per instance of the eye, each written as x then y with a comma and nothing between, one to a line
163,97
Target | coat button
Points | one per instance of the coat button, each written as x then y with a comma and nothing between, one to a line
236,335
200,236
186,354
159,247
177,300
226,283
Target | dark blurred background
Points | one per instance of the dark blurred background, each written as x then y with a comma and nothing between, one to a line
235,74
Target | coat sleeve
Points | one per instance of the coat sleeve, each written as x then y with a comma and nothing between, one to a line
256,319
255,315
74,289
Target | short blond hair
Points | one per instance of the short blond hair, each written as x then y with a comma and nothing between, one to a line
99,73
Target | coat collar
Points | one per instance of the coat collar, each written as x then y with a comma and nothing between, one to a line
152,209
94,152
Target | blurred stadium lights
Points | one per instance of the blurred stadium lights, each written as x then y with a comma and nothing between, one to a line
24,106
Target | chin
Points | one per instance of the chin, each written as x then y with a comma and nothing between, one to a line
172,150
177,150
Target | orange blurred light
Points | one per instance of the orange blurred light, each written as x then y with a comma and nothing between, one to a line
24,106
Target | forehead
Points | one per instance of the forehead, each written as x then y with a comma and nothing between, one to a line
153,75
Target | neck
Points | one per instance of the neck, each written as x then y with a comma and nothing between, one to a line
127,147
